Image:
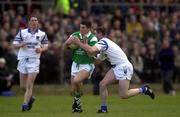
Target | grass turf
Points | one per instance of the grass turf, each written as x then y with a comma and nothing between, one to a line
59,105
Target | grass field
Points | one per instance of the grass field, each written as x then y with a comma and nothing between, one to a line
54,101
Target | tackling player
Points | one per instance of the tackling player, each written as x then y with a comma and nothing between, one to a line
121,71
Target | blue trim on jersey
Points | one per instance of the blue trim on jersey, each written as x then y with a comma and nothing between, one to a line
101,43
44,40
19,40
105,43
20,35
29,31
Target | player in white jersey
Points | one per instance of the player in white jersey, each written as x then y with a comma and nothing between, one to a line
121,71
31,43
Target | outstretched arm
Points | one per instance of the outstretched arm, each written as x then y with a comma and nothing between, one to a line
90,49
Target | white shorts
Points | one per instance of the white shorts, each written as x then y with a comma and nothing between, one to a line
75,68
123,71
28,65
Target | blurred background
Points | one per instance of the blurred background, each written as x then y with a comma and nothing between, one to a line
147,30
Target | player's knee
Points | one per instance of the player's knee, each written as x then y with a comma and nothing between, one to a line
29,86
75,81
123,96
23,87
102,85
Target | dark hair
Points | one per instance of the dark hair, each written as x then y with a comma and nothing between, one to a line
29,17
101,30
87,23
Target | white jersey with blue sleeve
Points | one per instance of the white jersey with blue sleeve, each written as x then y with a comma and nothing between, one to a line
113,52
32,40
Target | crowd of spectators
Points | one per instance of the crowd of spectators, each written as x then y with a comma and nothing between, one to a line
142,32
136,1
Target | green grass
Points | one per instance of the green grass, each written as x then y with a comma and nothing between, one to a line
54,101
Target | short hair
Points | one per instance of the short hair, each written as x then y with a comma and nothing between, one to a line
87,23
29,18
101,30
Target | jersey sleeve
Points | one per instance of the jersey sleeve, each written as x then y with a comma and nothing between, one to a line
75,34
93,41
102,45
44,40
18,39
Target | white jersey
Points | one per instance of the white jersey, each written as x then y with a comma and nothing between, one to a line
32,40
112,51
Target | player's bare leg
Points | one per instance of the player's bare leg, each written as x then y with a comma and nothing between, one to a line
23,81
124,91
28,99
76,85
108,79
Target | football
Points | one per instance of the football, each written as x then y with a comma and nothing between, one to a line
73,46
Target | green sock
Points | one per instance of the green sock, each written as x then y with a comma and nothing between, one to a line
77,94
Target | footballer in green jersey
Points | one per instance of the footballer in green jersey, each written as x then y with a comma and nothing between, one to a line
83,63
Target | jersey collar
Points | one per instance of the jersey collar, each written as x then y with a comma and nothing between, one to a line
30,31
87,35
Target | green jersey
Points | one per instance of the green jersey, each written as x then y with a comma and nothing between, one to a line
80,56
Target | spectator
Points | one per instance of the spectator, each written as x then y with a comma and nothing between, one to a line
176,64
5,79
118,17
151,64
154,22
134,25
166,58
63,6
137,62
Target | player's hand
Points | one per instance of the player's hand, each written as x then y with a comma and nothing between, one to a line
38,50
75,40
85,39
23,44
71,39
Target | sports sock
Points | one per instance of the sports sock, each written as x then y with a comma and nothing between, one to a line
30,100
77,94
104,107
25,104
142,89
